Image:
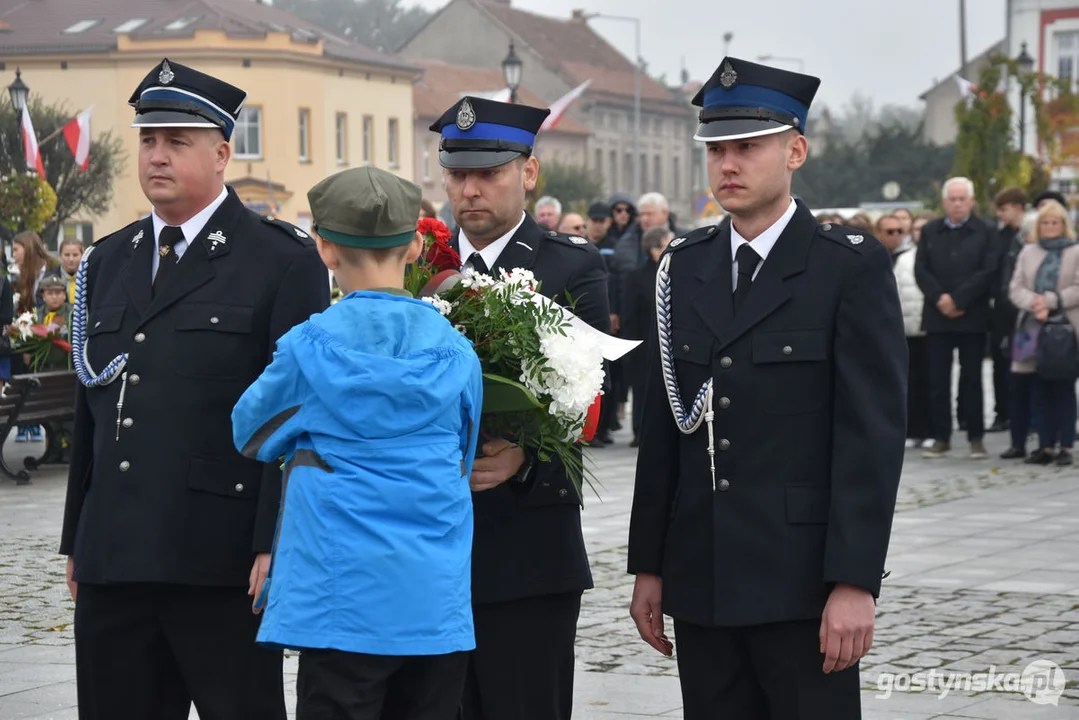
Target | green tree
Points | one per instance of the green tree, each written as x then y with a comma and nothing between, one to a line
382,24
574,186
77,192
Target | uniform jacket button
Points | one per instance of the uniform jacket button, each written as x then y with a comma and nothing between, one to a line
563,492
133,380
724,402
128,422
140,337
685,348
724,485
214,320
787,349
239,487
725,362
125,466
724,444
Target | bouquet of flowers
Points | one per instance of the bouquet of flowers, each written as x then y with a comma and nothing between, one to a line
543,366
37,340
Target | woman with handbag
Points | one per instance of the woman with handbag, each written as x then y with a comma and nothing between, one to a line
1045,288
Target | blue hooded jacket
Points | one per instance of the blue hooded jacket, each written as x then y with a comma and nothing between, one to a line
375,406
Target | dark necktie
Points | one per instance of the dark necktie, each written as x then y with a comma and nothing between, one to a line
475,261
748,260
171,237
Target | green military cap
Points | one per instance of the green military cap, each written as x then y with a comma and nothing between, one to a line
366,208
52,282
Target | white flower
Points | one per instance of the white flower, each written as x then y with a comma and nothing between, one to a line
443,306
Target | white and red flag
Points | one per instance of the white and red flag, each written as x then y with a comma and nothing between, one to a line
559,106
77,134
29,144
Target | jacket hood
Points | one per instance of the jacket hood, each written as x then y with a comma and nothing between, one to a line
381,365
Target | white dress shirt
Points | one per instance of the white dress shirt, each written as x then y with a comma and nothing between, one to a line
491,252
762,244
190,229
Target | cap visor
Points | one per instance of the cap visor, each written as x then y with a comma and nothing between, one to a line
475,159
739,129
167,118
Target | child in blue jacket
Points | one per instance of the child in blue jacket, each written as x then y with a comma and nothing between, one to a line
374,405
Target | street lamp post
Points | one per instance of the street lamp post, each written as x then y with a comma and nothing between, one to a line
19,94
1026,65
801,63
636,92
511,71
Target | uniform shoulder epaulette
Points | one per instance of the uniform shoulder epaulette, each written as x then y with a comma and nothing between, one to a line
693,237
124,232
851,238
289,229
575,241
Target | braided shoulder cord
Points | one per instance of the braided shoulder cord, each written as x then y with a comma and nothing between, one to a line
78,336
688,423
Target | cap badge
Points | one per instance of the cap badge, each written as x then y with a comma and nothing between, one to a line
855,239
137,239
166,75
677,241
216,238
728,77
466,116
577,240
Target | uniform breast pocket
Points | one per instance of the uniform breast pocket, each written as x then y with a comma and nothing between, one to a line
214,340
103,338
793,370
692,353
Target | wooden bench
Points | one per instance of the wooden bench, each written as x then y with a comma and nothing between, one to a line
46,398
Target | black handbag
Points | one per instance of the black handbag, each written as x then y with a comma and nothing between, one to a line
1058,352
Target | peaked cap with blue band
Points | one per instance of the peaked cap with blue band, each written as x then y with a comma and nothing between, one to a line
480,133
174,95
744,100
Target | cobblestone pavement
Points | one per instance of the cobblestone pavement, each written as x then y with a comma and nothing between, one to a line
985,577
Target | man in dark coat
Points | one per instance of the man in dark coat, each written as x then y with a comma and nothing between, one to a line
599,225
1011,208
167,528
957,268
529,565
774,428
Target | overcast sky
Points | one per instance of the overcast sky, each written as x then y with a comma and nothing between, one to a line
891,50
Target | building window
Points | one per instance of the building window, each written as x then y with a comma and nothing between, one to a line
1067,47
643,170
391,139
597,164
677,185
657,174
81,231
368,139
305,134
426,161
248,133
341,127
612,171
627,173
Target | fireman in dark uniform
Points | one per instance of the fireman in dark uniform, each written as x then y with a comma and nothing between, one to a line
167,528
773,431
529,565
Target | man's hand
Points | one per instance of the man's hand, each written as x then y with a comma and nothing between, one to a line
646,609
502,460
616,324
946,305
258,576
72,586
846,628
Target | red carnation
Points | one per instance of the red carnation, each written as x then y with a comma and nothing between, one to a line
434,229
438,254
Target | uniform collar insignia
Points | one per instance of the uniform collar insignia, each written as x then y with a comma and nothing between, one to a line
466,116
855,239
137,239
728,77
216,238
677,241
299,232
166,75
577,240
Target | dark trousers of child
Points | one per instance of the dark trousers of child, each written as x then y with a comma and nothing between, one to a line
1055,410
336,685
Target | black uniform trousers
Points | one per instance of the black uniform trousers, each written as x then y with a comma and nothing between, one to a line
919,426
761,672
522,668
971,347
335,685
147,651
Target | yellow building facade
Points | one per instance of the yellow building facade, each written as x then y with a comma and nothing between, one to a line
308,114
